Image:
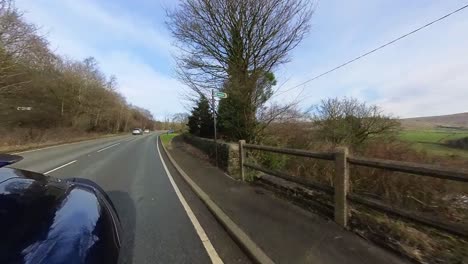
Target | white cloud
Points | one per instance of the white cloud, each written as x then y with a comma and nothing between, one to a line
119,26
143,85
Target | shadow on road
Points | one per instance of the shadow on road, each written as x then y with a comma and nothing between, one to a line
127,213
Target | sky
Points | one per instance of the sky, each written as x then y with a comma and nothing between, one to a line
422,75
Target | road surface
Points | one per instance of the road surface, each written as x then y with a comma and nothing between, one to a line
160,225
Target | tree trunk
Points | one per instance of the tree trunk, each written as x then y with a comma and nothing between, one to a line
126,122
117,126
61,110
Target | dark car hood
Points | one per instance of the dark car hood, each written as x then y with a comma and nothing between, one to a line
47,220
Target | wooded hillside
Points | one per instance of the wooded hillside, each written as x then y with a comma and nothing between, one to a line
54,91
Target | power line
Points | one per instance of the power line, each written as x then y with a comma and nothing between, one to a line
376,49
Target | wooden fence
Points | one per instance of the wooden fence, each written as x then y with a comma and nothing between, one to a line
342,159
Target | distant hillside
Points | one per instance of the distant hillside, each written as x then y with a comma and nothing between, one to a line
456,120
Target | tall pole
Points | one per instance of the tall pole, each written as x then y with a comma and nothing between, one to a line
214,123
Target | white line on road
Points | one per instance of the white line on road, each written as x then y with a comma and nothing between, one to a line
201,233
59,167
108,147
56,146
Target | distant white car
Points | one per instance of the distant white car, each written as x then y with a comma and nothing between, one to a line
147,131
137,131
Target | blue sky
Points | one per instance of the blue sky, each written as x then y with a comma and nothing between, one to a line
424,74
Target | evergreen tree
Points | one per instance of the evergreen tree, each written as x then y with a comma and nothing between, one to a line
200,121
237,113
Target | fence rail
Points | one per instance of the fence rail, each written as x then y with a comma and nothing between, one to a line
410,167
295,152
323,188
341,182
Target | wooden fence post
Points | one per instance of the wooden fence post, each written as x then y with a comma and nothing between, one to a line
241,159
341,183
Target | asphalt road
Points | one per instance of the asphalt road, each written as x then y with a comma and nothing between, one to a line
157,226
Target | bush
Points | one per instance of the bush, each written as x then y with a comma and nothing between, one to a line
350,122
461,143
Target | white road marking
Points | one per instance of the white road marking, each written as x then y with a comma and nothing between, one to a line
59,167
200,231
55,146
108,147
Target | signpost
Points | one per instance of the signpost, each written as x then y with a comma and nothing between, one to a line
220,95
24,108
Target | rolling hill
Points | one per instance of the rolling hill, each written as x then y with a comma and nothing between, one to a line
459,120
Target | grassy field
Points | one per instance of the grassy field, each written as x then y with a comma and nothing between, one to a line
166,138
432,141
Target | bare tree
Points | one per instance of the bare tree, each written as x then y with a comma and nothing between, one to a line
348,121
220,37
235,46
62,92
18,39
180,121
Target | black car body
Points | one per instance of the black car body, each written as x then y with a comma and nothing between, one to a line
48,220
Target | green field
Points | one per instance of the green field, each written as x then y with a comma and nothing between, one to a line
166,138
432,141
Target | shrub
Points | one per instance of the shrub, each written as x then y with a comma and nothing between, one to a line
350,122
461,143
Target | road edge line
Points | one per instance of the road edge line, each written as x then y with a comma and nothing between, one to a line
210,250
242,239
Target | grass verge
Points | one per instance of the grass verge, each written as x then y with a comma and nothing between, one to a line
418,243
166,138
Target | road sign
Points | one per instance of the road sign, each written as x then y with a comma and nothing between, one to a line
220,95
24,108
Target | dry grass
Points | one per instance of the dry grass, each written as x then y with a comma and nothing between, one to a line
18,139
429,196
424,245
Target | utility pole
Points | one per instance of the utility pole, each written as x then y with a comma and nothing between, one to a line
214,123
220,95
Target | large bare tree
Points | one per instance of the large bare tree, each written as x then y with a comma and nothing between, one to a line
236,46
